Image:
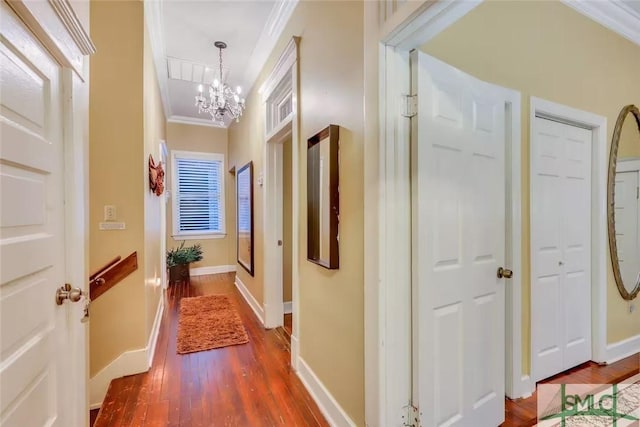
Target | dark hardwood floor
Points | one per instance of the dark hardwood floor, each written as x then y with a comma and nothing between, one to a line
252,385
523,412
245,385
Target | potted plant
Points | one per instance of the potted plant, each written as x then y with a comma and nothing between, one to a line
178,260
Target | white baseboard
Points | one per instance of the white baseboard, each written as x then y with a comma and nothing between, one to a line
295,352
332,411
249,298
128,363
288,307
622,349
213,269
155,330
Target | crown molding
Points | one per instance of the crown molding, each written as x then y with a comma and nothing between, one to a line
271,32
612,14
153,18
70,20
186,120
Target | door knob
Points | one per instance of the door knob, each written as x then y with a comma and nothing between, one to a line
279,242
67,292
506,273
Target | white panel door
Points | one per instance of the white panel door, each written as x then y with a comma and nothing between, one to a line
41,344
459,243
560,247
627,220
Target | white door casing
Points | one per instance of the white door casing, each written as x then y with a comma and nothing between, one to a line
560,246
458,182
42,347
627,221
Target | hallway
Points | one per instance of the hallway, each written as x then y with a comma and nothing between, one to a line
245,385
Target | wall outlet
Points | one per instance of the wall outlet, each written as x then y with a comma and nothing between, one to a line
109,213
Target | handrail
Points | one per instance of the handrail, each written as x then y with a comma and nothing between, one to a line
112,273
104,268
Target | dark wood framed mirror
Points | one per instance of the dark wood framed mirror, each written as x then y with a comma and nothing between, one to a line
244,216
323,201
623,202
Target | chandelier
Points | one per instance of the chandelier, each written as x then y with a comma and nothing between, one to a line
222,99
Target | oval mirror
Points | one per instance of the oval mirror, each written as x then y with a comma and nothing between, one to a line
624,202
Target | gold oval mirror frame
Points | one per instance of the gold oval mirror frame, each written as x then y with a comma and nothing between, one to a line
613,157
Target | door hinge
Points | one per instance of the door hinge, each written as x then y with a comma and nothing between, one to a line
409,105
412,417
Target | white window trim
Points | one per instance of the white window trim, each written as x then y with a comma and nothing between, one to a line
198,235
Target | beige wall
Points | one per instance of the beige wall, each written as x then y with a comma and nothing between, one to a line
629,145
331,91
547,50
116,167
204,139
154,133
287,255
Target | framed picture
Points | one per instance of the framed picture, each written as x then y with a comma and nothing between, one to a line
244,216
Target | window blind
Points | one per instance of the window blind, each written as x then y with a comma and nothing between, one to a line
199,195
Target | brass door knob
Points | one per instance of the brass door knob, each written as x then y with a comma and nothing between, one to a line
503,272
68,292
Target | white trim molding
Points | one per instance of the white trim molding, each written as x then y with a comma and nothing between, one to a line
599,241
155,330
154,20
250,299
333,412
622,349
212,269
284,75
56,25
612,14
271,32
186,120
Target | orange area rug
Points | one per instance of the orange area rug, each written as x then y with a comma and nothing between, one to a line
208,322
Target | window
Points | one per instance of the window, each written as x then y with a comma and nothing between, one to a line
198,194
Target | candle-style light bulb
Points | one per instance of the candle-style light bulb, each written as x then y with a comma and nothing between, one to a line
239,90
200,88
216,83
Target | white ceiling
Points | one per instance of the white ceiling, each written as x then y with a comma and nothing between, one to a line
187,29
633,5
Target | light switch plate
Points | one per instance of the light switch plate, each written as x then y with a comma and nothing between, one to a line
109,213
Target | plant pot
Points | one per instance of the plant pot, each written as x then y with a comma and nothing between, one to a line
179,273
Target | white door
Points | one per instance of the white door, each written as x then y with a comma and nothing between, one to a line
42,347
459,228
560,247
627,217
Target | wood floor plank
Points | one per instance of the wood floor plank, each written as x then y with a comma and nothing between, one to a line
253,384
245,385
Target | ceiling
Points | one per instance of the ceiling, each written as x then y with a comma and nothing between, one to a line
182,36
185,30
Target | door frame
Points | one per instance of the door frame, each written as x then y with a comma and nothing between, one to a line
164,199
285,71
388,383
599,243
